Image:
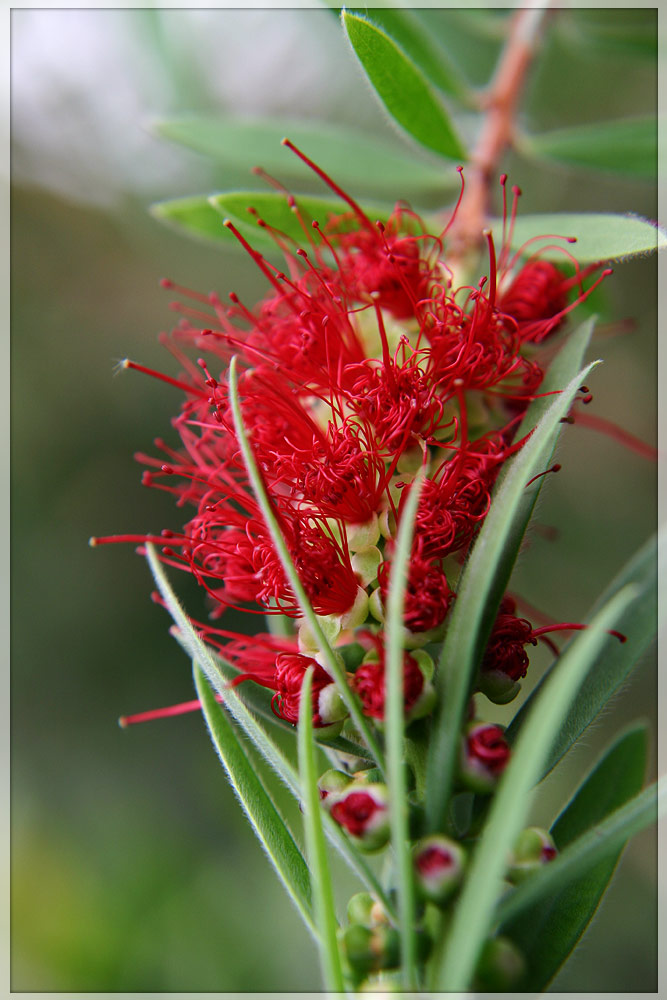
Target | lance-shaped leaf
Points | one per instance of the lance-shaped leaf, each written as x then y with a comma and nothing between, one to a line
323,900
616,660
628,147
599,236
395,736
547,930
259,807
349,156
401,87
472,918
481,587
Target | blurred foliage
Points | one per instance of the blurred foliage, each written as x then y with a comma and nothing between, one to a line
133,867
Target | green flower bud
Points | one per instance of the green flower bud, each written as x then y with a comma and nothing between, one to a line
534,847
332,781
438,863
501,966
369,949
497,686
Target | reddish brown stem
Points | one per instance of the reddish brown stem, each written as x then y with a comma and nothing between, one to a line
499,103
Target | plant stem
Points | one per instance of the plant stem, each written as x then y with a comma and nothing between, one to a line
500,103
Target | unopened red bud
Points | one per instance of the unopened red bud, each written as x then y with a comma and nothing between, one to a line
332,781
438,864
484,756
501,966
361,809
533,849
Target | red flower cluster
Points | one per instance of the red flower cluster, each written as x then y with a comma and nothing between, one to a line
364,363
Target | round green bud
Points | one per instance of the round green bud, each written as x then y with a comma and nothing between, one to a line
501,966
534,848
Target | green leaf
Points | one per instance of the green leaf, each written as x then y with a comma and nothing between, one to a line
402,88
323,900
349,156
599,236
198,651
472,918
584,854
268,824
195,216
401,25
332,665
547,930
616,660
274,209
626,30
627,147
395,736
481,587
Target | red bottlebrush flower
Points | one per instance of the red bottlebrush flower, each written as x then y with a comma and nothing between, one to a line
537,293
361,356
427,597
290,670
505,659
485,755
505,652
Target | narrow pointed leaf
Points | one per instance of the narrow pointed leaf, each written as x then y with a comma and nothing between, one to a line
600,236
407,31
323,901
275,209
616,660
547,931
592,848
332,666
628,146
473,915
395,736
349,156
481,587
268,824
198,651
402,87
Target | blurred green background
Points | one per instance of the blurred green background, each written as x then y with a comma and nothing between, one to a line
133,868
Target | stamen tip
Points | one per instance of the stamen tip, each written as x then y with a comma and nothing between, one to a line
122,722
92,541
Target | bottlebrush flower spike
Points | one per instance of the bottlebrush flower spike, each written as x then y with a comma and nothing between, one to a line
363,364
